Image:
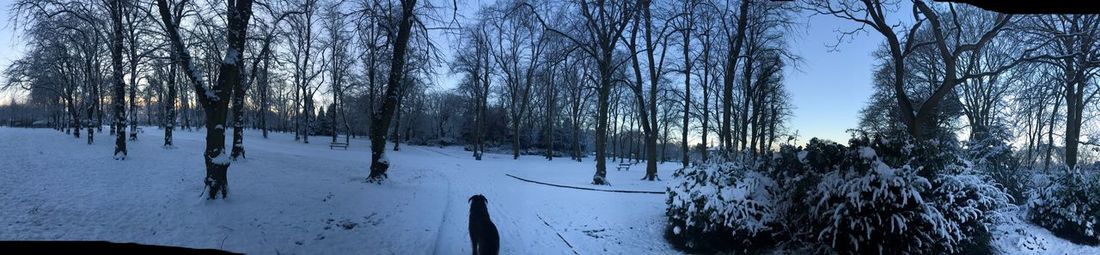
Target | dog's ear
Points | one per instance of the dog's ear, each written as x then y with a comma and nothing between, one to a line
472,199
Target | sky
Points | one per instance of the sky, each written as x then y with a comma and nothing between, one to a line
828,88
10,47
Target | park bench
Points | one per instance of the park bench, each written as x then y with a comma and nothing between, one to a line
623,166
332,146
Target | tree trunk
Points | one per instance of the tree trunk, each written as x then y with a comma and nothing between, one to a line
170,105
380,120
727,83
550,117
216,101
602,95
264,87
297,110
1050,133
306,113
397,124
238,120
746,97
119,99
685,150
1074,109
688,63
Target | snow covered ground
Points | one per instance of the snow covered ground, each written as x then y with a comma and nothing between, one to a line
294,198
1017,236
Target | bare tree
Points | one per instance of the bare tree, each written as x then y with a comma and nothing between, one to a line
1072,44
598,36
655,40
215,101
380,119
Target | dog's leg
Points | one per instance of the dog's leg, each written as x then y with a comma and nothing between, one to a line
473,245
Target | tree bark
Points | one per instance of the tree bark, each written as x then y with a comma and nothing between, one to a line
119,99
238,119
732,57
380,120
216,101
170,105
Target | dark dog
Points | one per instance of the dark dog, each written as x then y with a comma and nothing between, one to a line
483,233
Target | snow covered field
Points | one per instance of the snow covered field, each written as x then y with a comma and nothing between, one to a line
294,198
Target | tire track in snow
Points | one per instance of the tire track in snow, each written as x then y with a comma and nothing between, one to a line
574,249
443,221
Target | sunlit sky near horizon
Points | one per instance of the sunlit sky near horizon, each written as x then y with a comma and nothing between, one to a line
827,89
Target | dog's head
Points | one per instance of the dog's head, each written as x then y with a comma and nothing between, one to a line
479,199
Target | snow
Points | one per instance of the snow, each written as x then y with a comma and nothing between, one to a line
1017,236
221,159
867,152
293,198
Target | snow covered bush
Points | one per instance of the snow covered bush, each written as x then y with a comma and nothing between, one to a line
883,195
798,171
1066,206
974,203
865,205
991,155
718,206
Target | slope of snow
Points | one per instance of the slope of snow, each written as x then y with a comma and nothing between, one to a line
294,198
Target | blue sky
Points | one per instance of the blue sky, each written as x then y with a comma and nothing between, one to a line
830,86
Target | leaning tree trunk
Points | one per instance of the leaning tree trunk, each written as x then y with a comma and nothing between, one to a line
119,86
380,120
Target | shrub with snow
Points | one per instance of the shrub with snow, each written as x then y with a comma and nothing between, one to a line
865,205
873,196
798,171
1066,206
974,203
991,155
720,206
